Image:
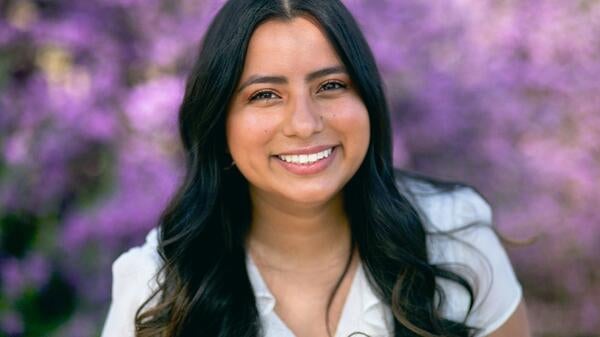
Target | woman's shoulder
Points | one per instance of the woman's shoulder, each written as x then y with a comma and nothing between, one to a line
445,206
457,220
134,281
139,261
461,236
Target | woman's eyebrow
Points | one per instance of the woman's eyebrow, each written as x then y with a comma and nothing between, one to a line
283,80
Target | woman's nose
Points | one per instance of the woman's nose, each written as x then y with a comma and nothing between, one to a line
304,118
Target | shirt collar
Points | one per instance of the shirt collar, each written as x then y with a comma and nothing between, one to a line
265,301
373,311
376,315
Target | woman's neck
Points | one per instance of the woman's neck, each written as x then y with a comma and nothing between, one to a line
289,237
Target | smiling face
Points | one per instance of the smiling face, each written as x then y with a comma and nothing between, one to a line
296,127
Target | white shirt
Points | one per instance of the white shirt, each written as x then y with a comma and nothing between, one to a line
134,270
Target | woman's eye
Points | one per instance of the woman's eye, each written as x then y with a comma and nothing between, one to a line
263,95
332,86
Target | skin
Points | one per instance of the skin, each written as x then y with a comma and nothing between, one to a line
299,236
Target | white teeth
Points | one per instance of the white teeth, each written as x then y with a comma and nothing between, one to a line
306,158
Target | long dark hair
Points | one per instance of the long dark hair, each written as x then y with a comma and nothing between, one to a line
204,287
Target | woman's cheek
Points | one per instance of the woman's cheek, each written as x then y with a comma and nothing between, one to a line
350,115
247,129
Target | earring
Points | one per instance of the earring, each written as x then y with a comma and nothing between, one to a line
230,165
227,158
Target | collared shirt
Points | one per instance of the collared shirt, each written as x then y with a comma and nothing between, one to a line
477,247
362,311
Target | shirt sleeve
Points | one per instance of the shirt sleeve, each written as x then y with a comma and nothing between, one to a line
133,283
497,290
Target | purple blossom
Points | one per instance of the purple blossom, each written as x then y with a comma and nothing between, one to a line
18,275
152,106
11,324
12,278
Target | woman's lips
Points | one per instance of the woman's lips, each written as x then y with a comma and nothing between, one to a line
309,168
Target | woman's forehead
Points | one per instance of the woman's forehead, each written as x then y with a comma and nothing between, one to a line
281,46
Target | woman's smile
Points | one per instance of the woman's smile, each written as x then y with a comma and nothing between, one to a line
308,161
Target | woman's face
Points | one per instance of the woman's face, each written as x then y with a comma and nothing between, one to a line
296,127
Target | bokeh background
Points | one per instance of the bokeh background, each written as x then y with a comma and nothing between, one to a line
501,94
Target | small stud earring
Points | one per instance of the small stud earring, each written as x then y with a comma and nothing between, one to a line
230,165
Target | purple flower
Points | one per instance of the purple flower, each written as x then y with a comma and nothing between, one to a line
11,323
13,278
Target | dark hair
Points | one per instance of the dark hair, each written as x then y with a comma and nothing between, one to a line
204,286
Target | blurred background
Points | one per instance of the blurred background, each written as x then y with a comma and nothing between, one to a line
503,95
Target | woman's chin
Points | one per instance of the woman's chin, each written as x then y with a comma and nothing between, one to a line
306,194
310,197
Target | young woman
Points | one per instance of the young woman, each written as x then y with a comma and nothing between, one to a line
291,220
